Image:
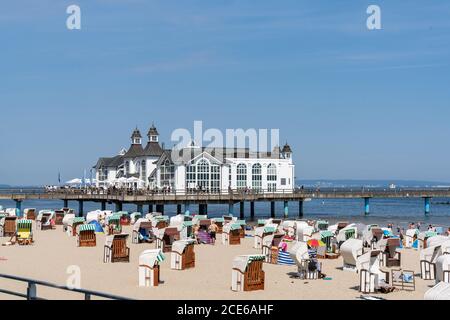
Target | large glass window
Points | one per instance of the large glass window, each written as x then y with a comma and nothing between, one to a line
127,167
203,176
102,174
256,177
167,174
272,177
241,176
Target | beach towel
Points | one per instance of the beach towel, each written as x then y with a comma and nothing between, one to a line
284,258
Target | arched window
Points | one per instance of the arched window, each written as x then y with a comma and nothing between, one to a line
138,168
256,177
272,177
167,174
143,170
241,176
203,175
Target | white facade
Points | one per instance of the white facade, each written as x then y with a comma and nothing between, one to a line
153,168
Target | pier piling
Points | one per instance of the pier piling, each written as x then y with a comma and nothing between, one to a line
140,208
366,206
272,209
427,205
103,205
242,210
66,203
160,208
286,209
231,208
179,208
18,207
150,208
252,210
80,208
300,209
186,208
118,206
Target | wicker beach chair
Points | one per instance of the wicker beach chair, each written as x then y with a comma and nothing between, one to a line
170,236
142,231
149,270
390,253
115,249
86,236
7,226
114,224
30,213
243,225
59,216
24,233
247,273
183,255
43,220
232,234
403,279
73,224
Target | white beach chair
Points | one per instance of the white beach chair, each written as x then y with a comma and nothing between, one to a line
428,258
182,255
304,232
350,250
440,291
410,237
145,224
68,218
149,269
350,231
247,273
43,220
261,232
443,268
371,278
299,253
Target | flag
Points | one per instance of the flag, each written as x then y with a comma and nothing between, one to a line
59,177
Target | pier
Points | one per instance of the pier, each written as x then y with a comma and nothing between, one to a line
185,201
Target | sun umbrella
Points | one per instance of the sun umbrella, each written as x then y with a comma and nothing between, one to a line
314,243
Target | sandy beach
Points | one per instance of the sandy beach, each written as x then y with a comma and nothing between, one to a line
54,251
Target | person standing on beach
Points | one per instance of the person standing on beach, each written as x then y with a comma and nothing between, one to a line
213,229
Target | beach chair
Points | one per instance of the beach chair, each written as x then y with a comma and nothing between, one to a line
326,237
390,252
67,220
243,224
376,236
232,234
24,233
149,270
114,224
204,224
247,273
304,231
299,254
403,279
423,237
428,258
261,223
86,236
166,237
350,250
443,269
115,249
29,213
182,255
135,216
8,226
142,231
348,232
44,220
371,278
59,217
440,291
73,224
321,225
262,232
125,219
410,237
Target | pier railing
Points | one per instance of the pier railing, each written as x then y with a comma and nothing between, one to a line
32,284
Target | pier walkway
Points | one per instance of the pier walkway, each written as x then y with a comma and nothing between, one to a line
186,199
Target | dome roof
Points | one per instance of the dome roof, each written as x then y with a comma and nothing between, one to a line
152,131
286,148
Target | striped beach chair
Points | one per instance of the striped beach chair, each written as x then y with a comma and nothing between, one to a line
24,234
86,236
284,258
74,224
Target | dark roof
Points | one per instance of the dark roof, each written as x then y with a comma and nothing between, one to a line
286,148
152,131
153,149
110,162
135,150
136,134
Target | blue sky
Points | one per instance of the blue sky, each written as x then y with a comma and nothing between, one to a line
352,103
